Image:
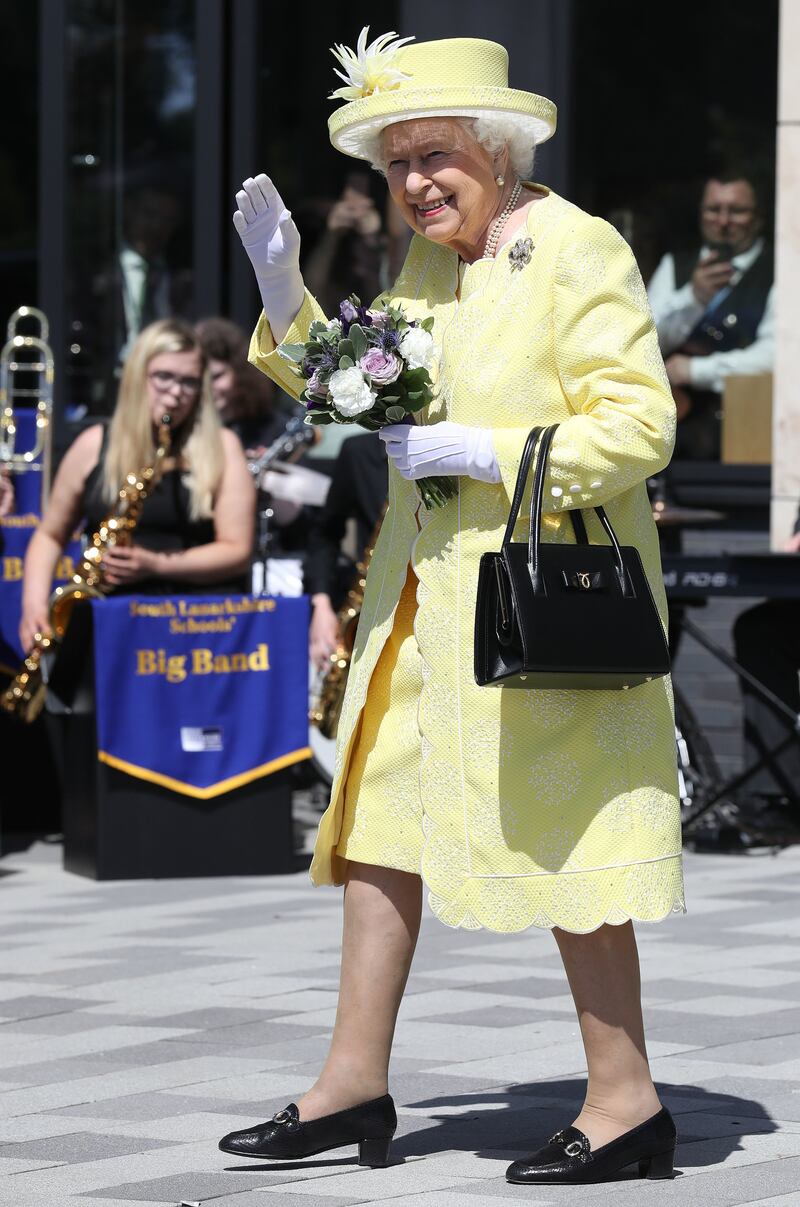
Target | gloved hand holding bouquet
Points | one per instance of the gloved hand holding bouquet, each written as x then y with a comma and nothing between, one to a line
370,367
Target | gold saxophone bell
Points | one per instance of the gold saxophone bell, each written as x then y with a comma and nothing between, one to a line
25,697
326,709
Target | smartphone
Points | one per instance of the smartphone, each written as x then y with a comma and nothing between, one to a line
723,251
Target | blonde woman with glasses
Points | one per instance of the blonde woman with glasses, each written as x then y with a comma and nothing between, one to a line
196,528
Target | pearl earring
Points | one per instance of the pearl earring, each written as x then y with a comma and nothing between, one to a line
500,180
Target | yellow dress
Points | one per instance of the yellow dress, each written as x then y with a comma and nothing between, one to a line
518,808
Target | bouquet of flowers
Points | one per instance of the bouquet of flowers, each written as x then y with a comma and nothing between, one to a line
370,367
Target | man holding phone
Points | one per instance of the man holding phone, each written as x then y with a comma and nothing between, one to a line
714,309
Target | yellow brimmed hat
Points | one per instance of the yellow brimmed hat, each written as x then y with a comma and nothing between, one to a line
390,81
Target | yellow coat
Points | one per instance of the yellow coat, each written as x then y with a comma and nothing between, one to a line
540,807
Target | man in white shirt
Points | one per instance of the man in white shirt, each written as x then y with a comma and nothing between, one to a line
714,309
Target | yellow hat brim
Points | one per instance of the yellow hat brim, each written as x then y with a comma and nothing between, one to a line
353,126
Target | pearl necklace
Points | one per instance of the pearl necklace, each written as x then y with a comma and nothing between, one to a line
490,248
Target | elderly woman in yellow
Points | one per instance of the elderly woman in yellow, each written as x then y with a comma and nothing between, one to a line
515,808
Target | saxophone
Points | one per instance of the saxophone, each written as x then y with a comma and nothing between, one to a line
326,709
25,696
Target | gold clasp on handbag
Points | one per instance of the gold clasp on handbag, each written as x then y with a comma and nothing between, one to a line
584,580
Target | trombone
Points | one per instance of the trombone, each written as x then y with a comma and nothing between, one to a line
26,381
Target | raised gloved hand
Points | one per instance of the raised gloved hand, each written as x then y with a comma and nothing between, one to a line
441,448
272,241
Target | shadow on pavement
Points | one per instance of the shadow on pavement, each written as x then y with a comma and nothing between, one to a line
521,1118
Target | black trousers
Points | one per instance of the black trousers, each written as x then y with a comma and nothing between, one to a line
767,643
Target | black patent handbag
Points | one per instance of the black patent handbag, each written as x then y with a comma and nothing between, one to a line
570,616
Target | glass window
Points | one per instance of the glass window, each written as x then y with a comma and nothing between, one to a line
130,142
675,145
350,243
19,163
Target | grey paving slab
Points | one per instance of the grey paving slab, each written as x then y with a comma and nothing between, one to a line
257,1198
33,1006
64,1024
202,1187
253,1034
78,1146
162,1014
149,1106
210,1018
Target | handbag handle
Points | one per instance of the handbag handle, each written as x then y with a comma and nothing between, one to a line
522,477
534,536
537,500
578,526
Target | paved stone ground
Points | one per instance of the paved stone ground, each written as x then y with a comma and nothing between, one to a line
141,1020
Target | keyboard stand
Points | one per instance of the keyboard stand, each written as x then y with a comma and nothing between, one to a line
718,790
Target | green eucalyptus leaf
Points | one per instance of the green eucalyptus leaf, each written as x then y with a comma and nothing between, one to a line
292,352
414,379
395,414
358,340
346,362
346,348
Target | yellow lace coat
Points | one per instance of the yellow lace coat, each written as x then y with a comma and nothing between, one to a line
540,807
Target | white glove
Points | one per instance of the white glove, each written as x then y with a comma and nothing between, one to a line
272,241
441,448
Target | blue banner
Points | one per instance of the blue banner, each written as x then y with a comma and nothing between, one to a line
201,694
15,532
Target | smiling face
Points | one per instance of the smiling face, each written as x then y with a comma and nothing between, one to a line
174,382
443,181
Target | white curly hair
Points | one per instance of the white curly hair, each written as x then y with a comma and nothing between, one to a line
492,131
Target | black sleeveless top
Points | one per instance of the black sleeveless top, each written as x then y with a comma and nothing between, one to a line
165,526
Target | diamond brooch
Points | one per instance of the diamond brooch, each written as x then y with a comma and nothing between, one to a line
520,253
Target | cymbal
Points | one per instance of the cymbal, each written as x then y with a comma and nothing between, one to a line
666,515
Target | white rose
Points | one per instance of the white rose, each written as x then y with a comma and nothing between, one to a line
416,347
350,393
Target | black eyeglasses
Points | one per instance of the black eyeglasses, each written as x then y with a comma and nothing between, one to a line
163,380
733,211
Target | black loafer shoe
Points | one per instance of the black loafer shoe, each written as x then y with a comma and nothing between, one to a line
370,1125
568,1156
